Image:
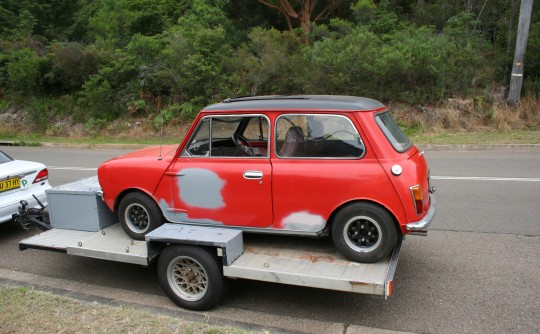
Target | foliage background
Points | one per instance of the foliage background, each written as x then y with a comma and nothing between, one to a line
96,62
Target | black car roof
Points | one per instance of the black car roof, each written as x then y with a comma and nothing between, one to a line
297,102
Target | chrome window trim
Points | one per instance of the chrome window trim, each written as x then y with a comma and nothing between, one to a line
185,153
317,158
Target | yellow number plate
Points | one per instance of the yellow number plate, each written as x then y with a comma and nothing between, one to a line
10,184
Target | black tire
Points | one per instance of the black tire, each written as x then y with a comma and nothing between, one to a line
191,276
364,232
139,214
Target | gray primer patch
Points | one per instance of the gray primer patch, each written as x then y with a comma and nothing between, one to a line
201,188
182,217
170,216
303,221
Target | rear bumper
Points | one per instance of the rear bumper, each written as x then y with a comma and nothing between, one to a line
420,227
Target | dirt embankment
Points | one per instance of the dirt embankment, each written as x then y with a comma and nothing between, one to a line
453,115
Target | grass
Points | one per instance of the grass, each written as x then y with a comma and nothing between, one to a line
478,137
24,310
33,140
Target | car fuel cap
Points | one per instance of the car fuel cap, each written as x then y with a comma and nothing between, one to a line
396,170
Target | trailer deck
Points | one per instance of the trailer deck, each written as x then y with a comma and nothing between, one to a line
289,260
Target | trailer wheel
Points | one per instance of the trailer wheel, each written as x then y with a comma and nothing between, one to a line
191,276
138,214
364,232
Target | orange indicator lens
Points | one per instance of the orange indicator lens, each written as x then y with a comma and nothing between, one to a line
418,199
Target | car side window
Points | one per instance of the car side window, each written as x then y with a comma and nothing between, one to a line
317,136
230,136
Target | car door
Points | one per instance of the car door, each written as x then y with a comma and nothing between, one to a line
223,175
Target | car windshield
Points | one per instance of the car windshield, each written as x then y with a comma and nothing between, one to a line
4,158
393,132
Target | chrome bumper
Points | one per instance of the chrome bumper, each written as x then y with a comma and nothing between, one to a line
420,227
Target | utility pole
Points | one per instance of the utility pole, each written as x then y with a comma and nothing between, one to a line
516,79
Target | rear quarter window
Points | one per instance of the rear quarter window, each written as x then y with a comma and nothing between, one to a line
393,132
317,136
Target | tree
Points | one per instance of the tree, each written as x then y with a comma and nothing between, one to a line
303,12
23,71
266,63
48,18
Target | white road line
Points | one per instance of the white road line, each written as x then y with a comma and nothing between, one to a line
72,168
486,178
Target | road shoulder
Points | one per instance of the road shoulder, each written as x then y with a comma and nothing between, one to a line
222,316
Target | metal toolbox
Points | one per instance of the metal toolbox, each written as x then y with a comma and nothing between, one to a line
77,206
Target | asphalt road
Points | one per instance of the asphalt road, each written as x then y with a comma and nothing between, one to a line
476,272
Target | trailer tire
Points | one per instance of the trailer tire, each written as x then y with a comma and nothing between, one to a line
364,232
138,214
191,276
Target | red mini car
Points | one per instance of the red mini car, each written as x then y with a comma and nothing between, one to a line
302,165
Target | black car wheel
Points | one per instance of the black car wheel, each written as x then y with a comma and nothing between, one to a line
138,214
364,232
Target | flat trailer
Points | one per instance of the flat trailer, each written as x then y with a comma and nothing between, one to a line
194,260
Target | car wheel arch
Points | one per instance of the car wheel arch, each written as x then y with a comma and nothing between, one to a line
332,216
125,192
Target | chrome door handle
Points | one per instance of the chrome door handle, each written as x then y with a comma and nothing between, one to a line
253,174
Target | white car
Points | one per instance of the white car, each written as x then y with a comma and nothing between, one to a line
19,180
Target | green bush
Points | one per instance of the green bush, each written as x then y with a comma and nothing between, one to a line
412,64
23,71
93,125
164,117
466,56
168,58
265,64
191,65
97,99
43,111
72,65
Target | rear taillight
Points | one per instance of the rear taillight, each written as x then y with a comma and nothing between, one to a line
418,199
42,176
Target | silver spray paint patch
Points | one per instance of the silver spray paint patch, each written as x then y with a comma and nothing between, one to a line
201,188
303,221
167,213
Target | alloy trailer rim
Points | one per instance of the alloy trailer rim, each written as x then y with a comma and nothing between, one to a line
137,218
187,278
362,234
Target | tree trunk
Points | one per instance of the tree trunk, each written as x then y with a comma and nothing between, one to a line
303,17
470,4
